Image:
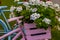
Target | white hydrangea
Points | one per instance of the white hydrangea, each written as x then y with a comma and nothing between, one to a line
46,20
12,8
16,0
49,3
34,16
56,6
33,10
26,4
19,8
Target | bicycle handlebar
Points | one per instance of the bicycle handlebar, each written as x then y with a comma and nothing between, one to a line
2,7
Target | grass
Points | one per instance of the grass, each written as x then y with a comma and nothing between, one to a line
55,33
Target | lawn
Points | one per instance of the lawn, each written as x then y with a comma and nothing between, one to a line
55,33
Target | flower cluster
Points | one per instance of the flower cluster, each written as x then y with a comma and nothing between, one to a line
46,20
19,8
46,4
34,16
42,13
33,10
12,8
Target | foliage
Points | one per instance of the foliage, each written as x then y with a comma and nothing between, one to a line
46,13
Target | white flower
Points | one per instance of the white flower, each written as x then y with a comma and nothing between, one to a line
12,8
37,2
11,15
32,2
49,3
52,7
33,10
56,6
43,3
34,16
46,20
26,4
57,9
59,19
19,8
16,0
28,7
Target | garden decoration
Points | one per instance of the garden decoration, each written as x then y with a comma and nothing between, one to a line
19,29
43,14
38,16
6,25
48,33
29,32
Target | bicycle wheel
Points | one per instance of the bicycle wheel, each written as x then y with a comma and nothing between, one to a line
5,28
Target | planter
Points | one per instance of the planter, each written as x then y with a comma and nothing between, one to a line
33,33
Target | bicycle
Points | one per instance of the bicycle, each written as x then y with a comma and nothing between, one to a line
25,35
6,25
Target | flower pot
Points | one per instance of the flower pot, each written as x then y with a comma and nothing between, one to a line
36,33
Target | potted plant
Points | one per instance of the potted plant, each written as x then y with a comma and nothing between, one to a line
43,14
